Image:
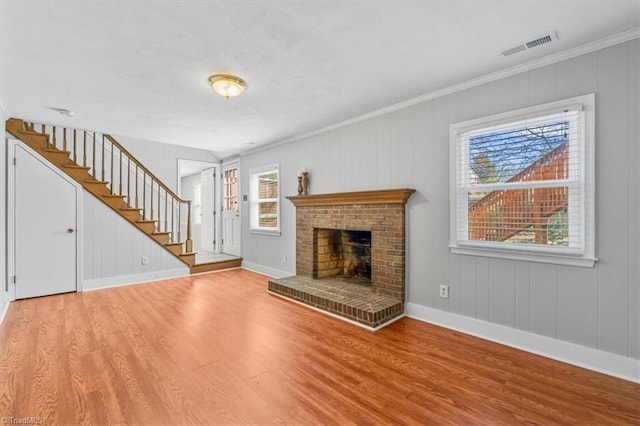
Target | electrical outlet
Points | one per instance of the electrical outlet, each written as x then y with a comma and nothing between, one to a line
444,291
144,260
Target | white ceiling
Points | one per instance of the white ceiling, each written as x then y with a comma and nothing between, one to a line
140,68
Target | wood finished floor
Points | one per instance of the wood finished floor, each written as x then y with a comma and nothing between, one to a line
217,349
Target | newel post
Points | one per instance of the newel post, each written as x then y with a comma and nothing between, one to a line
189,242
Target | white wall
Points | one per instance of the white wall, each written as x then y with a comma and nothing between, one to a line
113,249
162,158
596,308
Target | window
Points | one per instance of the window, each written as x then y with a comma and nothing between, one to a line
522,184
265,199
231,189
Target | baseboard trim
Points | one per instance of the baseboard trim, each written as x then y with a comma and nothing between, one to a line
571,353
122,280
265,270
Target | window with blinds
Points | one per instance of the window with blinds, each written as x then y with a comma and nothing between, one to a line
522,184
265,198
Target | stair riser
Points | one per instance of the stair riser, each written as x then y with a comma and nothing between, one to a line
131,215
147,228
162,239
114,202
79,175
175,249
56,158
96,189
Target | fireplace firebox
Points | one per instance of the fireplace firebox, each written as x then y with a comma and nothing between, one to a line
345,253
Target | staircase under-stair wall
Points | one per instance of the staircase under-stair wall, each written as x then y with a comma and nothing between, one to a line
105,169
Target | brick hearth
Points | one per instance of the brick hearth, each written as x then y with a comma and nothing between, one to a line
380,212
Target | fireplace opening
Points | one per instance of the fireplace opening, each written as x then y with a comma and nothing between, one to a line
343,253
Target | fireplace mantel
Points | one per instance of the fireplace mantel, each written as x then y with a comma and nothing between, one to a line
384,196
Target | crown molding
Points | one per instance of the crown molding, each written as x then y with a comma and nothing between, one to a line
488,78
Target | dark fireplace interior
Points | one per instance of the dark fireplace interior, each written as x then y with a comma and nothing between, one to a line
343,253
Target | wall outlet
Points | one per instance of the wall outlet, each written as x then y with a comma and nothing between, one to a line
144,260
444,291
284,258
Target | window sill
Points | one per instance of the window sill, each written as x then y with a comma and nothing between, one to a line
580,261
264,232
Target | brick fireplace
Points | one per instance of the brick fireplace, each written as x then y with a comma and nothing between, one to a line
354,235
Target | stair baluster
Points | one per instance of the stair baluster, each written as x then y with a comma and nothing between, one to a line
84,153
137,187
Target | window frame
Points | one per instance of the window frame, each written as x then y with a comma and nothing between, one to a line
584,254
254,201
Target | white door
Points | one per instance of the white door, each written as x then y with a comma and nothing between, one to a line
230,212
207,190
45,228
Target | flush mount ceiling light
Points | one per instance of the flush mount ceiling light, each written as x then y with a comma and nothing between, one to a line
227,85
63,111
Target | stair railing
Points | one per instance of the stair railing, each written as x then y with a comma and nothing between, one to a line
109,162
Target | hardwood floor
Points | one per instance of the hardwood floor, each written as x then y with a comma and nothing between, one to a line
217,349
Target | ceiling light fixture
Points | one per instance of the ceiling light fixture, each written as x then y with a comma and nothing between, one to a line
63,111
226,85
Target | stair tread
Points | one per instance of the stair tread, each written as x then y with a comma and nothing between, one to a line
56,151
93,181
161,233
75,166
30,132
146,221
174,244
114,196
129,209
193,253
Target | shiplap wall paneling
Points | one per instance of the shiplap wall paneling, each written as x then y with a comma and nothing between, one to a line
633,161
612,202
113,247
502,292
578,305
439,189
125,259
420,204
544,299
523,296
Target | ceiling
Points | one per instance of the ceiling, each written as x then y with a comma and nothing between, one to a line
140,68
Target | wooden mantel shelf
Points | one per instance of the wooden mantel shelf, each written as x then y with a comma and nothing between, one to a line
384,196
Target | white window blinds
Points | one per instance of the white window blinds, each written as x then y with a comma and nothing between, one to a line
521,182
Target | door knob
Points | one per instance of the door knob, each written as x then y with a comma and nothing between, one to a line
70,231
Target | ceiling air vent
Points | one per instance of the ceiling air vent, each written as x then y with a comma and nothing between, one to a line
543,39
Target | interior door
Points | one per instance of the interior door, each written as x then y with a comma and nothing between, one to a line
45,219
230,212
207,188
